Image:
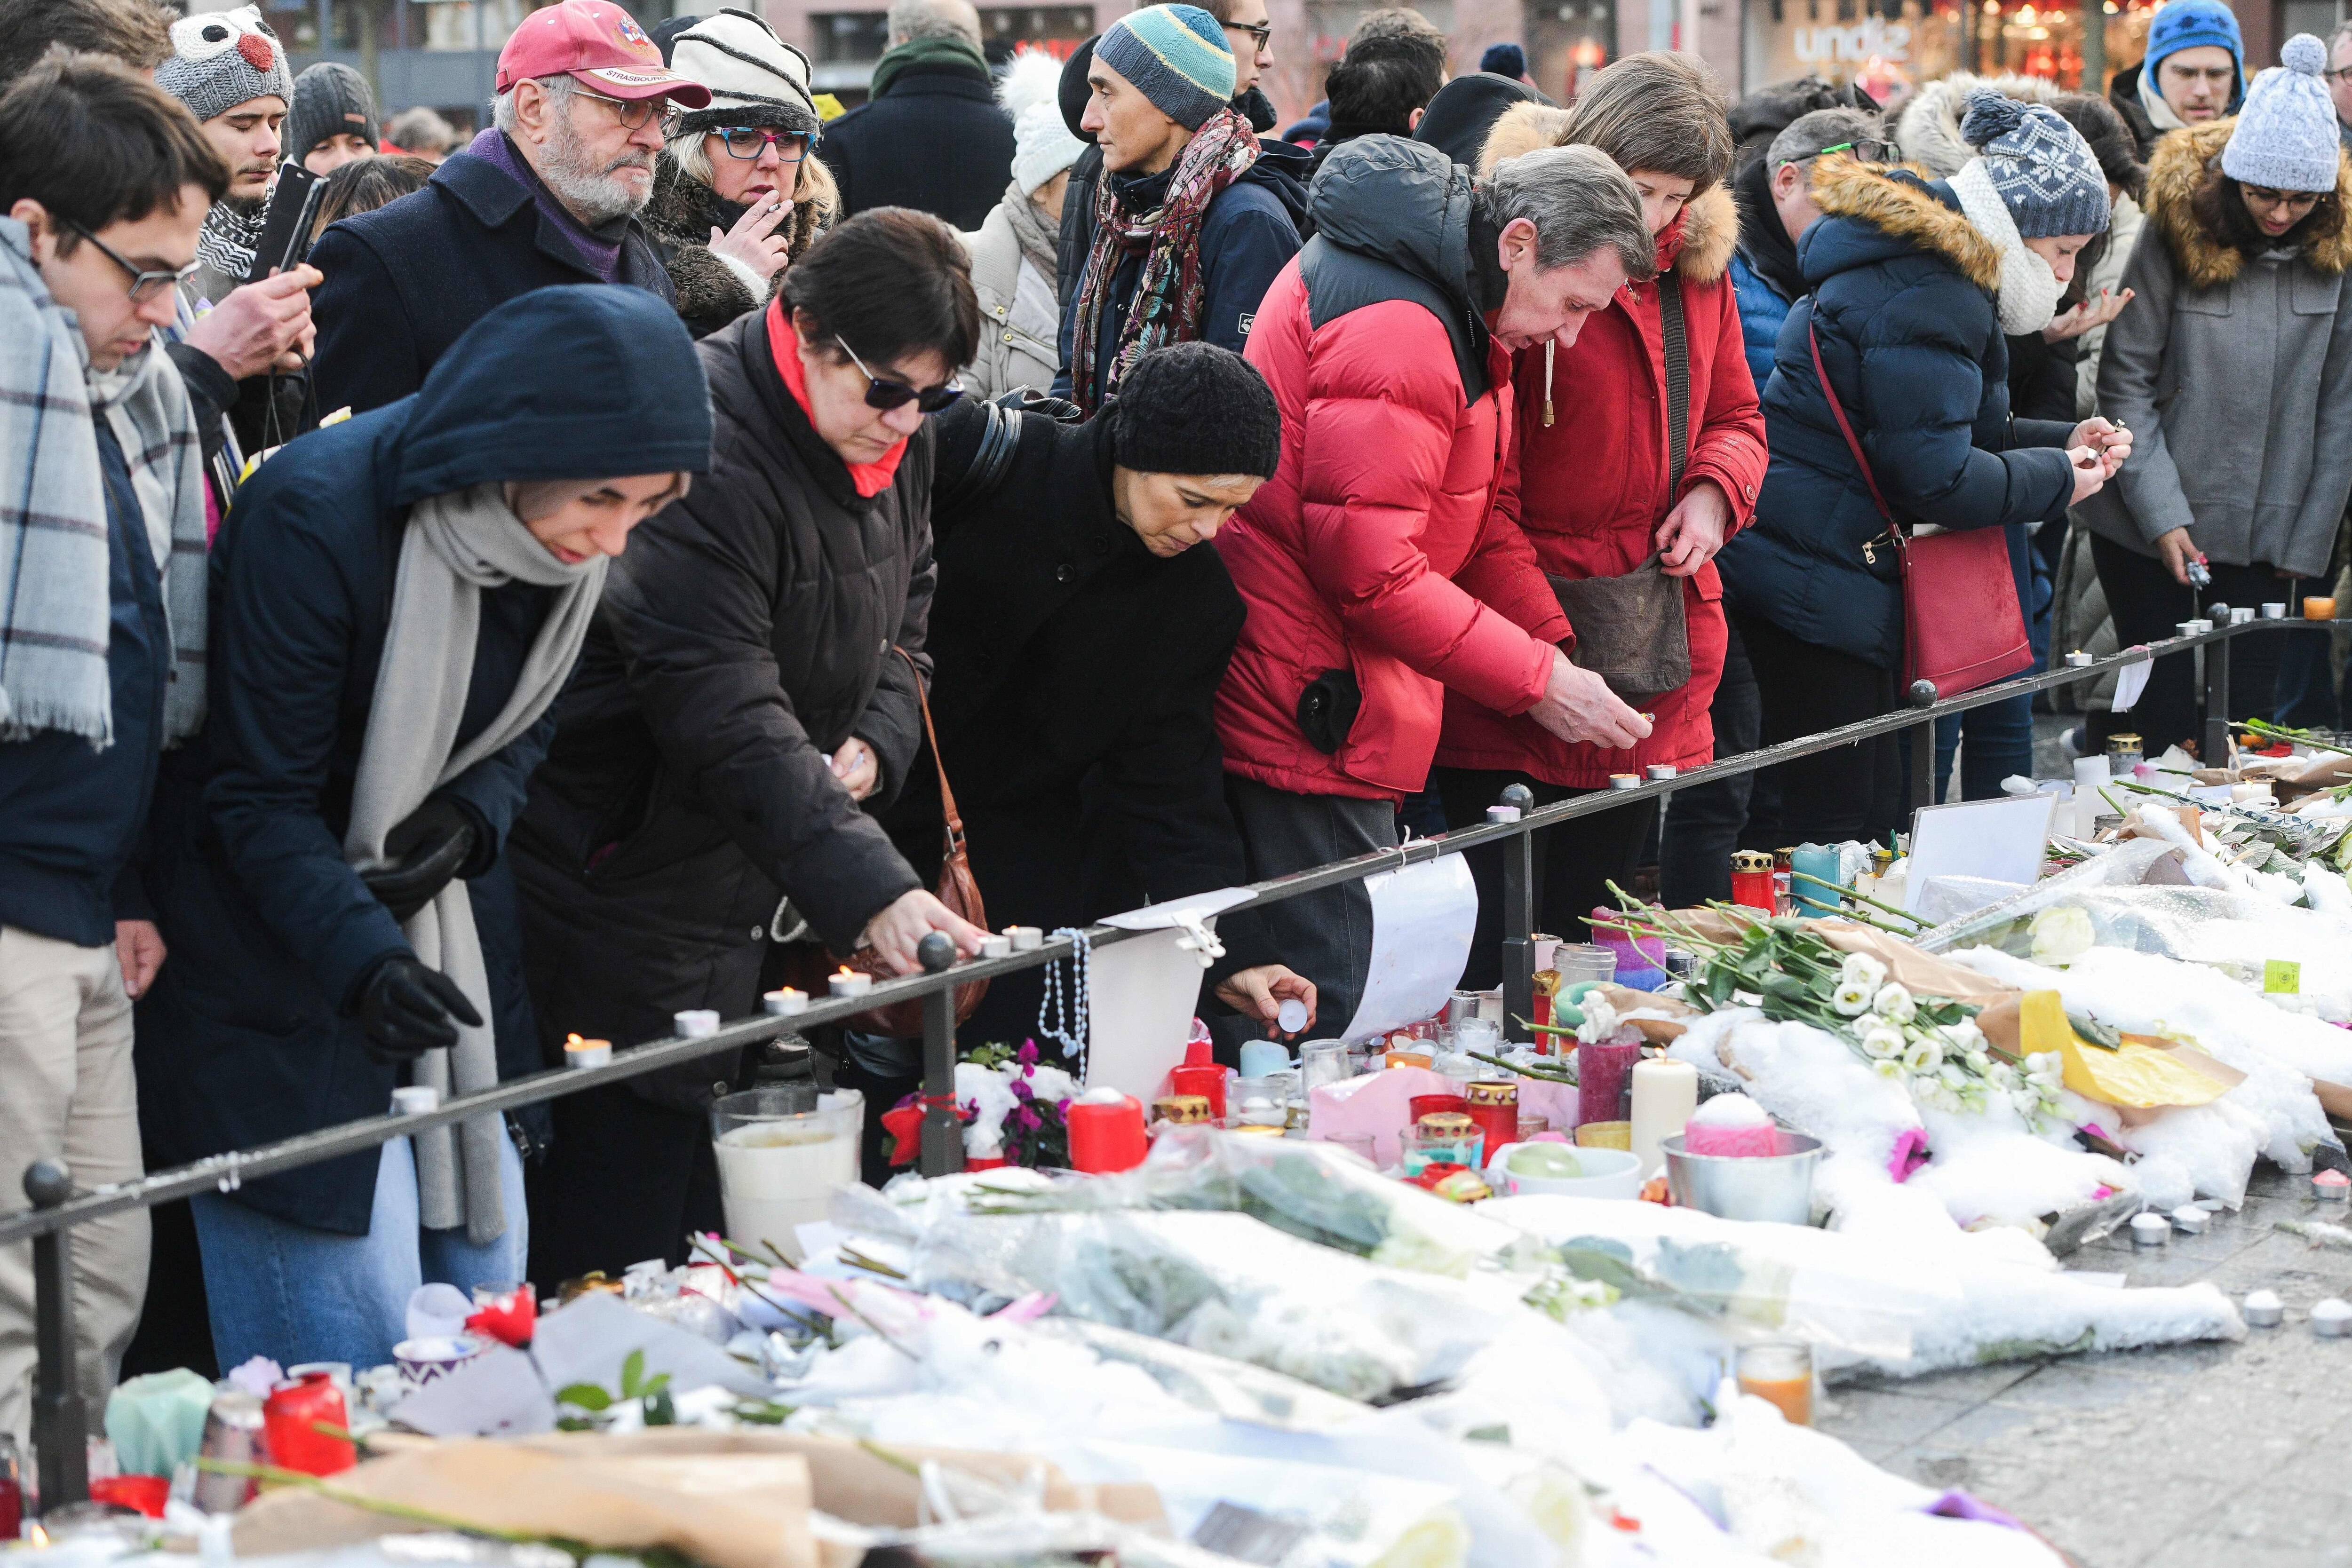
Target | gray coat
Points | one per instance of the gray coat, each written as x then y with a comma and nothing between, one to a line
2234,374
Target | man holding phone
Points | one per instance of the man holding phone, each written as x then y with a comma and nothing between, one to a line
230,70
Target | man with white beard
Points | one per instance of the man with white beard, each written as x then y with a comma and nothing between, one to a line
548,195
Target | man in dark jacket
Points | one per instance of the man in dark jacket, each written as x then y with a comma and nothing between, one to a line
1177,157
298,998
1382,87
931,136
1464,110
106,184
1077,640
548,195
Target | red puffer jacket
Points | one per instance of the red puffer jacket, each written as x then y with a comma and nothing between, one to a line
1593,489
1384,546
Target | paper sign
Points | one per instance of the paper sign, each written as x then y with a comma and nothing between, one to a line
2000,840
1422,919
2281,977
1140,995
2130,681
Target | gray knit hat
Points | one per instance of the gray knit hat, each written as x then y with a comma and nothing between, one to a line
329,99
221,58
2044,171
2285,136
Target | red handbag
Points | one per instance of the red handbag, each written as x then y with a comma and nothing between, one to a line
1962,626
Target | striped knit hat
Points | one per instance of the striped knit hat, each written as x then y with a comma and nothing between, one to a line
1176,57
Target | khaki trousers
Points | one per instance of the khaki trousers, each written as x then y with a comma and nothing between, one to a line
66,1092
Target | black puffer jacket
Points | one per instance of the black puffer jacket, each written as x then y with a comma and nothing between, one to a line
712,290
744,636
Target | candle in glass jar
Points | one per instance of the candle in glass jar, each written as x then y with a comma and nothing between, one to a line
1781,1373
848,982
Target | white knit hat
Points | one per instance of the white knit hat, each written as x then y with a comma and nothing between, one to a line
2285,137
1042,146
755,78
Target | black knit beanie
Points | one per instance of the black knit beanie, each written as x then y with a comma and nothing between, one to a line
1194,408
330,99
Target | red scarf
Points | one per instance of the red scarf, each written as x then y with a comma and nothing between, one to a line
870,479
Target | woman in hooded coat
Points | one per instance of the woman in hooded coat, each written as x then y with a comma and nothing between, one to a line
1604,488
1914,285
400,602
739,192
2235,368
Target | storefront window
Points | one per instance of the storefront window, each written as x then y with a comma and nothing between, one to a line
1568,40
1890,47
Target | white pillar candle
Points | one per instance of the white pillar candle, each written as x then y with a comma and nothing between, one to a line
2090,772
1664,1094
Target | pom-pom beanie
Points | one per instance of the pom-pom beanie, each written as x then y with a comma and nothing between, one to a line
2286,138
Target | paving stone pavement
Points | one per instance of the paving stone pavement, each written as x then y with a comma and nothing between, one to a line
2202,1456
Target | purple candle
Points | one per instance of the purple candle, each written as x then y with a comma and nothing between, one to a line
1604,1075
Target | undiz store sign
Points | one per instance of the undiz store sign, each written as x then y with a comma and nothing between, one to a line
1874,39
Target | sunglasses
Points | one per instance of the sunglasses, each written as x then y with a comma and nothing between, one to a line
143,283
747,144
1258,35
884,393
636,113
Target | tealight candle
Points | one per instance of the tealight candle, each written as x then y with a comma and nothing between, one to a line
786,1003
2078,660
1625,782
1290,1017
2241,614
2319,609
415,1100
1502,813
2274,611
2264,1310
694,1023
1659,772
848,982
2150,1230
996,947
2331,1318
579,1052
2189,1219
2184,628
2330,1187
1025,938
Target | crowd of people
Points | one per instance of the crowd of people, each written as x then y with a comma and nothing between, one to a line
611,567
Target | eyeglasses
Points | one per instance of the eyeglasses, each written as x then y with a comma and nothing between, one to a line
1258,35
747,142
2270,198
143,283
884,393
2338,73
636,113
1866,149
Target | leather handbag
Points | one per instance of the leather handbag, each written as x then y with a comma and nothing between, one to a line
1962,626
1634,630
956,889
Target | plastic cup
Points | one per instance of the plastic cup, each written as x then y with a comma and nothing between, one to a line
778,1167
1781,1373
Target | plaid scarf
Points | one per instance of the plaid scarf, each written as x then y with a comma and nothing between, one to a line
1168,291
54,593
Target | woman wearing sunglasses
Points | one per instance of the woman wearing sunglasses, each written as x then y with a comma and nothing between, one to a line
741,707
739,192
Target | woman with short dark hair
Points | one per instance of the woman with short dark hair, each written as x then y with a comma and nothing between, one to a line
742,704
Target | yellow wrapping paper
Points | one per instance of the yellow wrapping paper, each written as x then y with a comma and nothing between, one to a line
2141,1075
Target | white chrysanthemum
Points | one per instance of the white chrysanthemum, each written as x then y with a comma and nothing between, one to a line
1851,999
1922,1056
1894,1002
1883,1042
1862,969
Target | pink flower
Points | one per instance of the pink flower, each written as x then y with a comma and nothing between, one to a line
1027,1055
1020,1089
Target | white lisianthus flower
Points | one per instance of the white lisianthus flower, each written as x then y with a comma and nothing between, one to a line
1887,1067
2045,1063
2027,1099
1978,1062
2061,935
1930,1092
1851,999
1862,969
1922,1056
1883,1042
2002,1075
1965,1036
1893,1003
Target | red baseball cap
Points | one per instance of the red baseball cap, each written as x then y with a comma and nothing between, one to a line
600,44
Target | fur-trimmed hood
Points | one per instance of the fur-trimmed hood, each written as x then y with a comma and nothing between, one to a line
1708,228
1901,206
2178,170
1928,129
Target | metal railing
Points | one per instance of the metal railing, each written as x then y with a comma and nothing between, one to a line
60,1422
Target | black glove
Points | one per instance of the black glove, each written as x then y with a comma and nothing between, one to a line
407,1009
421,854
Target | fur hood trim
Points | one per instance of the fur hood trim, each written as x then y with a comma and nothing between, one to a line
1710,225
1844,188
1928,130
2175,173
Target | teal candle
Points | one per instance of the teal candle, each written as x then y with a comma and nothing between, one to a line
1262,1058
1812,898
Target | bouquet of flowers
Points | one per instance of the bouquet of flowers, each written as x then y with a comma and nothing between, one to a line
1011,1102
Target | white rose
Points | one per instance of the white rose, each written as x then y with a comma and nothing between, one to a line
1894,1002
2061,934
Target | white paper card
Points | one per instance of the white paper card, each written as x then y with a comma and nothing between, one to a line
2000,840
2130,681
1422,919
497,1394
1140,997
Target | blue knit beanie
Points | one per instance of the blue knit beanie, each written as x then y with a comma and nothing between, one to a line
2044,173
2187,24
1176,56
2285,136
1504,61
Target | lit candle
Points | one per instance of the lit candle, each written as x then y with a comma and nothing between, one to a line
579,1052
784,1003
2319,609
848,982
1025,938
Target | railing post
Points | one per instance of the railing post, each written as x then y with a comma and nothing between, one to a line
60,1425
942,1128
1519,915
1923,748
2215,752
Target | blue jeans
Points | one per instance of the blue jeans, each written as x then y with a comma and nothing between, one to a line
296,1294
1999,743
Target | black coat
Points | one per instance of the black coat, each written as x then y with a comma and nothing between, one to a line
1077,676
248,1035
742,638
935,141
404,281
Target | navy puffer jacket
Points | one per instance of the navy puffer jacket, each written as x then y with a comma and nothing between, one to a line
1903,291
